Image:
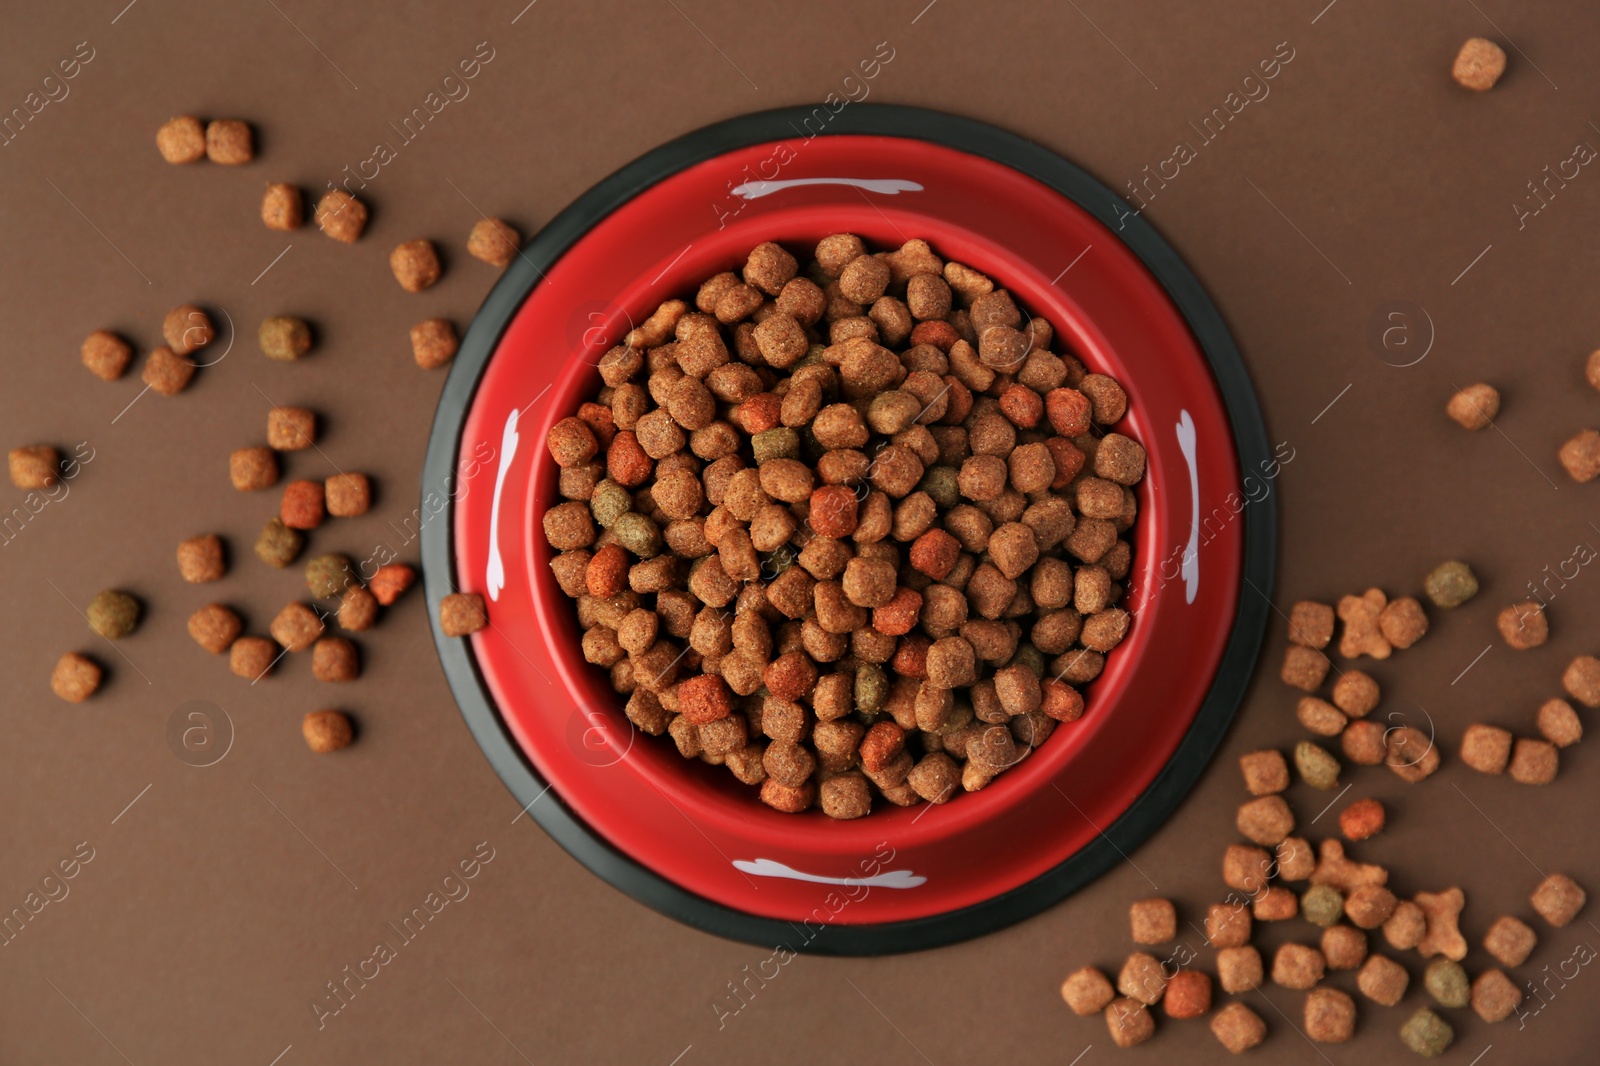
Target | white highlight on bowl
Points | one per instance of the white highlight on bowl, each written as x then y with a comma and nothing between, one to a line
1191,553
494,574
754,190
774,868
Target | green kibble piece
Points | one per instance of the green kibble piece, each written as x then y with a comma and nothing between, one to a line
1426,1033
1317,767
1450,585
872,688
279,545
113,614
781,442
812,357
1031,657
1322,905
329,575
610,502
940,483
284,339
638,534
1447,983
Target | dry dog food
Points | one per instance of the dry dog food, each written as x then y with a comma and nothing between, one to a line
291,428
1154,921
1322,905
1142,978
106,355
1559,723
1311,624
1495,996
1188,995
181,140
1510,941
167,372
1479,64
282,207
1356,693
279,545
850,497
215,628
329,575
1523,625
1265,772
1266,820
252,657
1239,969
296,627
415,265
1275,905
1129,1023
390,581
1297,966
1238,1028
284,338
348,495
187,329
1486,748
1533,762
1344,947
1426,1033
200,559
1581,679
433,343
335,659
327,731
75,677
303,506
1304,668
228,141
253,469
1442,913
1450,584
1362,635
1447,982
1406,927
35,466
493,241
358,609
1330,1016
1580,456
1474,407
1362,819
1383,980
1316,765
341,216
1558,899
113,614
1227,925
1087,991
461,613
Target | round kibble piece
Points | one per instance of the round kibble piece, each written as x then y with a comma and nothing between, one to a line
1447,983
358,609
106,355
1474,407
167,372
182,140
282,208
187,329
253,469
215,628
1580,456
284,338
1322,905
228,141
341,216
279,545
1427,1034
329,575
1087,991
200,559
1558,899
335,659
1129,1023
1479,64
1362,819
1559,723
493,241
1383,980
1318,768
1238,1028
34,467
1533,762
1188,995
1330,1016
461,613
1486,748
113,614
291,428
296,627
1450,584
415,265
434,343
75,677
348,495
1581,679
327,731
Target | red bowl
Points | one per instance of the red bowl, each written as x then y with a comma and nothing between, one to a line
688,838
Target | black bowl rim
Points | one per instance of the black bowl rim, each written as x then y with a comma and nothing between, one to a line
1115,841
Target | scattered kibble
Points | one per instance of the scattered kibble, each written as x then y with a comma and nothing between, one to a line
1265,820
1474,407
1410,753
335,659
1275,905
1450,584
1362,819
358,609
327,731
1580,456
75,678
1322,905
461,613
348,495
1523,625
215,627
1297,966
35,466
1320,717
1383,980
182,140
1533,762
228,141
1510,941
284,338
329,575
106,355
1154,921
1486,748
1406,926
253,469
1238,1028
201,559
390,581
1558,899
1559,723
1362,632
495,242
341,216
187,328
1403,622
1344,947
1316,765
415,265
1227,925
1188,995
1370,906
1129,1023
1304,668
1495,996
283,208
1311,624
296,627
1442,912
278,545
252,657
1087,991
1447,982
1581,679
1239,969
1330,1016
303,506
1265,772
1479,64
1356,693
167,372
1426,1033
1142,978
434,343
291,428
113,614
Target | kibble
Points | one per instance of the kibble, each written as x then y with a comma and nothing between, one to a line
1559,723
284,338
200,559
1442,913
228,141
341,216
1581,679
493,241
1427,1034
252,657
282,208
253,469
1129,1023
36,466
1154,921
415,265
1142,978
1265,772
1580,456
1238,1028
1310,624
1558,899
1239,969
296,627
390,581
1495,996
1510,941
434,343
1362,819
291,428
1330,1016
1486,748
1383,980
1087,991
76,677
215,627
461,613
347,495
1316,765
335,659
1188,995
1479,64
182,140
106,355
1450,584
279,545
113,614
1533,762
167,372
326,731
303,505
1474,407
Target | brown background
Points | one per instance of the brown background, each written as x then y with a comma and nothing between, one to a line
218,905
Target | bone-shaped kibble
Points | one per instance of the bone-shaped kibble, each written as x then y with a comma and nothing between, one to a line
1443,912
1346,875
1361,633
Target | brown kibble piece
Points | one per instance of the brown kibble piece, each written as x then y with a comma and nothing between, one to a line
434,343
1523,625
1188,995
1347,875
1559,723
1311,624
1479,64
1129,1023
215,628
200,559
327,731
167,372
348,495
1153,921
1275,905
358,609
1238,1028
1495,996
106,355
1403,622
75,677
1442,911
36,466
1405,928
415,265
1370,906
252,657
228,141
1474,407
1265,772
1355,693
296,627
253,469
1411,753
1383,980
335,659
1142,978
1297,966
1344,947
181,140
1558,899
461,613
291,428
1245,868
1304,668
1533,762
1486,748
282,208
1330,1016
1510,941
1580,456
341,216
1087,991
1266,820
1362,635
1362,819
493,241
1227,925
1581,679
1239,969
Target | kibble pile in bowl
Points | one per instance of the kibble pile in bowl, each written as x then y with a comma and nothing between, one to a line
849,531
